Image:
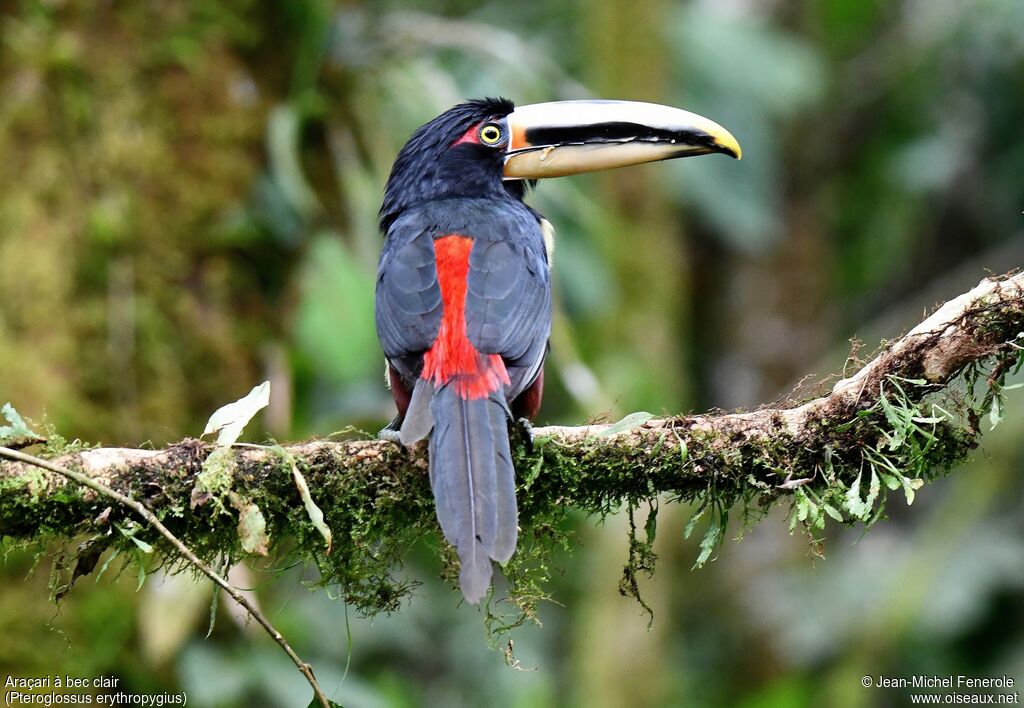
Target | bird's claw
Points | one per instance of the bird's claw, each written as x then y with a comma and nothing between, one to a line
392,433
526,429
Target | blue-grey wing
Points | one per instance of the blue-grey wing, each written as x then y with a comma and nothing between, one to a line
408,304
508,298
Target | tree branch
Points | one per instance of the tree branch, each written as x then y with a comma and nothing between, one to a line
149,518
902,419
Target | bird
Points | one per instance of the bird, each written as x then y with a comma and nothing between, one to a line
463,288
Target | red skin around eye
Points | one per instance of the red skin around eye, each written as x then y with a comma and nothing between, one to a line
471,136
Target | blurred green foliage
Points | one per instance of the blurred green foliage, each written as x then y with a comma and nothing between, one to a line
188,207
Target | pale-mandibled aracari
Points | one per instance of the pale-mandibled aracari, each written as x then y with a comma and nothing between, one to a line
463,304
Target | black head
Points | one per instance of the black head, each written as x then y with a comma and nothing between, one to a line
460,153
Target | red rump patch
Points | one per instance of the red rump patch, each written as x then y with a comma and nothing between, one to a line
452,356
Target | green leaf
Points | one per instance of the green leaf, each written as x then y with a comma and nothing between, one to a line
229,420
252,527
658,445
316,704
316,515
833,512
214,601
633,420
819,519
813,512
129,533
891,414
909,486
854,503
873,490
143,546
805,510
862,508
651,525
802,505
692,523
711,539
103,568
891,481
17,428
998,410
915,382
531,475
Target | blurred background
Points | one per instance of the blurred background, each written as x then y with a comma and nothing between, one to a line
188,194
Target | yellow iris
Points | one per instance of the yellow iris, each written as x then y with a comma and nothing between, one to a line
490,134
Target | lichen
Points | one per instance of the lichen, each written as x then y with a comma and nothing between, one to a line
215,480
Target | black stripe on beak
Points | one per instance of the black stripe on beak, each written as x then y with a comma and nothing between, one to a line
541,137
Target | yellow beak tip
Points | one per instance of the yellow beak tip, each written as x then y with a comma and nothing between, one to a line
728,144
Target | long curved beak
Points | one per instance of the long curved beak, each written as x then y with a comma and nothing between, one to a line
571,137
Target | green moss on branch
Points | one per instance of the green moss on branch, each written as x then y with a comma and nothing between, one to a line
904,419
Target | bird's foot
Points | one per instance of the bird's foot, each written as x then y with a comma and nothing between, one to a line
392,433
526,430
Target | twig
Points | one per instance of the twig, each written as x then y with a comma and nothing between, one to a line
26,441
181,548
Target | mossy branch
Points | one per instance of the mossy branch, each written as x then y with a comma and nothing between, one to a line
180,548
902,419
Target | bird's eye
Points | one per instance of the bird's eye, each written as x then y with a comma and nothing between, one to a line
490,134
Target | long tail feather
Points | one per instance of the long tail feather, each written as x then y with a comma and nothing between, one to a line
506,512
473,481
